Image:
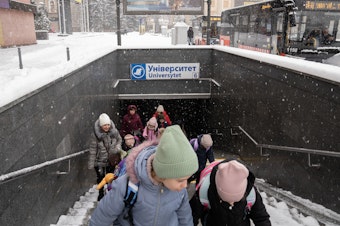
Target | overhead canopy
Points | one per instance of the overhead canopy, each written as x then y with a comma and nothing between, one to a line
163,89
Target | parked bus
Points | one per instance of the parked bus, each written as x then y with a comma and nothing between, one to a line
307,29
200,25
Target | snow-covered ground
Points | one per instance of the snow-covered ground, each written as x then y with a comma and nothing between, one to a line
280,213
47,61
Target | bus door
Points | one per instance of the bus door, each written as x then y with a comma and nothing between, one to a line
228,30
278,41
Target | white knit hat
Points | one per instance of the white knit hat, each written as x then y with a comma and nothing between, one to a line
104,119
160,108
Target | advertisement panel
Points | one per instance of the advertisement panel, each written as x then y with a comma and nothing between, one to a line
160,71
171,7
322,5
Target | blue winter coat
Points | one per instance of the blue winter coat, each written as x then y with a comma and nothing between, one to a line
155,206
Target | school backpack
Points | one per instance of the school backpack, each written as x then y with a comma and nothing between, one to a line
194,143
131,193
203,186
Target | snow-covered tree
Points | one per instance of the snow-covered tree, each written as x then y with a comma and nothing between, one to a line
41,21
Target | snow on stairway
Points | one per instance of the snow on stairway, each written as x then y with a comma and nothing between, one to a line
81,211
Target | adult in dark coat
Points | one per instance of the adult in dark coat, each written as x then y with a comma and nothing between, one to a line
190,34
132,123
230,184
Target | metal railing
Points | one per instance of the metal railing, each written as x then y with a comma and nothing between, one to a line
291,149
321,214
12,175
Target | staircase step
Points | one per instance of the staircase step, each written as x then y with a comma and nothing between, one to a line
71,220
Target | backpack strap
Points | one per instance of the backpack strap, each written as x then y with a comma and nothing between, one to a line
204,184
251,199
130,199
131,194
194,143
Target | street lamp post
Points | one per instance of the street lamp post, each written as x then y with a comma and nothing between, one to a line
208,22
119,38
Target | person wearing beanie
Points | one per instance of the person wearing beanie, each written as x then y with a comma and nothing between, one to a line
160,170
129,142
161,121
203,148
151,129
160,110
105,145
233,199
131,122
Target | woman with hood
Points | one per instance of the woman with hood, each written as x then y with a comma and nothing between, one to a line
105,145
131,123
161,174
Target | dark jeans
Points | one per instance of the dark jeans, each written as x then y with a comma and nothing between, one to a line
101,172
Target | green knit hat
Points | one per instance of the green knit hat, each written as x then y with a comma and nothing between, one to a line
175,157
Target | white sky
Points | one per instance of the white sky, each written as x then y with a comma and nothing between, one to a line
47,61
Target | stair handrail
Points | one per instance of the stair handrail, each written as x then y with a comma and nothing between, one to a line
21,172
291,149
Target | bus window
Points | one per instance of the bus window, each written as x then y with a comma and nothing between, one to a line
268,25
279,25
252,24
303,20
268,28
297,32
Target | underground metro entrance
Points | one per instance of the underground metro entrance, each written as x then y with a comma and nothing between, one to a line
193,113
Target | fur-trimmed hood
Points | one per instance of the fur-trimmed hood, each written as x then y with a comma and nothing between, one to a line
100,133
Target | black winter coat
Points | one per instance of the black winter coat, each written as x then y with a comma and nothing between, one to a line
222,214
203,155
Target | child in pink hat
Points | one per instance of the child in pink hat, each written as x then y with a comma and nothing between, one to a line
151,130
230,197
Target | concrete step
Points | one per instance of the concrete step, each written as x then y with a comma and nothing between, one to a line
81,211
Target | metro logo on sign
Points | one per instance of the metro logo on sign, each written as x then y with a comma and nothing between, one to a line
161,71
138,71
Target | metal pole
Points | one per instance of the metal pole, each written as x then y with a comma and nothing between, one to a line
87,17
20,60
64,21
68,53
82,22
59,16
208,22
119,38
